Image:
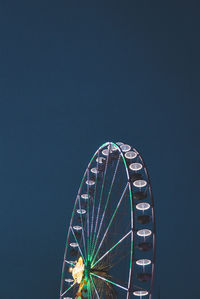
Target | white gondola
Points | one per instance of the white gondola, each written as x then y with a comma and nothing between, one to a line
143,206
77,227
125,148
113,148
74,245
69,280
85,196
135,166
140,293
100,160
94,170
119,143
90,182
143,262
81,211
144,232
140,183
130,155
106,152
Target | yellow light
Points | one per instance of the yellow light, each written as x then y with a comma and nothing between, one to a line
77,271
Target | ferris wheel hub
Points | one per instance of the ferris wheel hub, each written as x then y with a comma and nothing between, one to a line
87,269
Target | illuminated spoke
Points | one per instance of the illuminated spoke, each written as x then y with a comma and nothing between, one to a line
88,216
102,188
108,197
118,205
107,280
94,197
78,244
94,287
83,233
90,291
124,237
67,290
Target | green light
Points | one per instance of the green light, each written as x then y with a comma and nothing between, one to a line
94,285
90,291
115,284
68,289
88,223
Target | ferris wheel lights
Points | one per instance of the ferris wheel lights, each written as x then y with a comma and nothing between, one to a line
81,211
140,293
74,245
77,227
143,262
77,271
90,182
113,148
69,280
94,170
125,147
140,183
130,155
144,232
105,152
135,166
119,143
85,196
100,160
143,206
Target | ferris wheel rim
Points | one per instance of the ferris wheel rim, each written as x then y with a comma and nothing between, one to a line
123,154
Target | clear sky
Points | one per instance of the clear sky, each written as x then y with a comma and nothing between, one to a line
74,74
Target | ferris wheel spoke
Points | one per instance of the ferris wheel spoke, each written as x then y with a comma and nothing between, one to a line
109,281
105,234
94,198
90,290
78,244
88,218
107,252
95,289
83,233
67,290
100,200
108,197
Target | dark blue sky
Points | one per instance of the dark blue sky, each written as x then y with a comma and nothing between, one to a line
74,74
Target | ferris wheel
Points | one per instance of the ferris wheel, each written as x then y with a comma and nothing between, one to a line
110,246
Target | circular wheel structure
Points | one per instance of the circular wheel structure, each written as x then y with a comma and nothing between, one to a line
110,247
